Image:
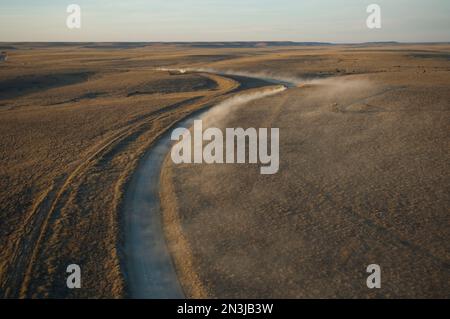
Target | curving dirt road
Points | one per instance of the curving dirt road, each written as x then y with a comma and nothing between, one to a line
149,266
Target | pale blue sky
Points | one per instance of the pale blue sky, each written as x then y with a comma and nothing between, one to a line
225,20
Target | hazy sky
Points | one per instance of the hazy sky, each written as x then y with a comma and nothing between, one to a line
225,20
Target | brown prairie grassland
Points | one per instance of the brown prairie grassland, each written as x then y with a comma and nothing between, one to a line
75,120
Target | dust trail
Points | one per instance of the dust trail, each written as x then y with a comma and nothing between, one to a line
289,81
221,110
340,84
268,76
181,71
336,84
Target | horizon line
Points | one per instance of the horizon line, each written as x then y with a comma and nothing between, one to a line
234,41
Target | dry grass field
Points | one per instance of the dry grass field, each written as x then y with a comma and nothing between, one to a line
364,173
364,179
73,124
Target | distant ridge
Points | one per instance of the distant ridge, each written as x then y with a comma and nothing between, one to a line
131,45
380,42
251,44
196,44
